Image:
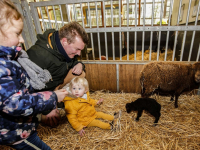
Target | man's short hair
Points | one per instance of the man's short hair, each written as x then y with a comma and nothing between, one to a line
71,30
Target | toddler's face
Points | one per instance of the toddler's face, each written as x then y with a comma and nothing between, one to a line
78,90
12,33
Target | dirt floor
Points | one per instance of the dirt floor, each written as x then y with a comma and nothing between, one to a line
177,129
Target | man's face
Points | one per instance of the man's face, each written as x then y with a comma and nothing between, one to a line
73,48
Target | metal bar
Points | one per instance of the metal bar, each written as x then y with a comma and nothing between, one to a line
146,28
167,39
151,35
127,23
54,13
198,54
120,34
29,22
92,43
97,21
105,33
106,46
83,24
175,42
127,10
120,45
68,13
61,2
61,15
120,13
158,47
143,33
74,9
127,46
98,36
124,62
117,75
48,16
111,6
113,46
185,32
44,26
36,19
89,15
194,32
135,41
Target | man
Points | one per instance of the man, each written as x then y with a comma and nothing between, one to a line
57,52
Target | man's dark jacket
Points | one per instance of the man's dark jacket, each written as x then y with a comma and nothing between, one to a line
46,55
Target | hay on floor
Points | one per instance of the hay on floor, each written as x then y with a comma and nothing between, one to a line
177,129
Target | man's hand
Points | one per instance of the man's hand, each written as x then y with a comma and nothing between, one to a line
77,69
61,94
52,119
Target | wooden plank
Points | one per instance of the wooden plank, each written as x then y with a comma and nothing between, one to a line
101,76
129,78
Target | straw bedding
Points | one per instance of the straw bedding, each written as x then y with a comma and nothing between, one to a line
177,129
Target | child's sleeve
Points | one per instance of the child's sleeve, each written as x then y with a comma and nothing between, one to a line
93,102
71,114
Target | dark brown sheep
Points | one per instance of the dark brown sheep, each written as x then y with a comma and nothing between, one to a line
169,78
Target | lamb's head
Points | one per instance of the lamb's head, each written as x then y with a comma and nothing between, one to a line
130,107
196,68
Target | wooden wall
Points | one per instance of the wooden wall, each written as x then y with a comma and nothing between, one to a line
104,77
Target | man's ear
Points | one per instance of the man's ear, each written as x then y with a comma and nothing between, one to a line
64,41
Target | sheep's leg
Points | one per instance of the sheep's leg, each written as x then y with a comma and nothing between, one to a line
176,100
139,114
172,97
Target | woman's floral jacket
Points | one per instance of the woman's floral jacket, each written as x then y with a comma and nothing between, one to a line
18,104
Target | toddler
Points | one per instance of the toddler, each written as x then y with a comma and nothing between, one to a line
80,109
19,105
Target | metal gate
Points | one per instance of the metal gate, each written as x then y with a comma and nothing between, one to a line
116,34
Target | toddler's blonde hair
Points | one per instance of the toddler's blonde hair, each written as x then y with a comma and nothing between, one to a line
79,80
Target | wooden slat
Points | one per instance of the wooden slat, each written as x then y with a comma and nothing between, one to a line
101,76
129,78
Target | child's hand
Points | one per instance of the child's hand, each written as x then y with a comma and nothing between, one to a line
81,132
100,101
61,94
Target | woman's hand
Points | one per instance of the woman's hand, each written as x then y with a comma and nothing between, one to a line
61,94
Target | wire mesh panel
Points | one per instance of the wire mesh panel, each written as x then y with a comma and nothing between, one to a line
138,30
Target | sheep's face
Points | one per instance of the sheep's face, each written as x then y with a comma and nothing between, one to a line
196,68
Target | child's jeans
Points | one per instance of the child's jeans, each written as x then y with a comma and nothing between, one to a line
33,142
100,124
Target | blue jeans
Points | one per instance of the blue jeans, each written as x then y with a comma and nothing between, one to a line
33,142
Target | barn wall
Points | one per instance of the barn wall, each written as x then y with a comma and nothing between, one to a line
103,77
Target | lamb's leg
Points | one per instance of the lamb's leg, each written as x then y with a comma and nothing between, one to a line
139,114
157,116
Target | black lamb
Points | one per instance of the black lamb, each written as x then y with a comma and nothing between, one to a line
148,104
